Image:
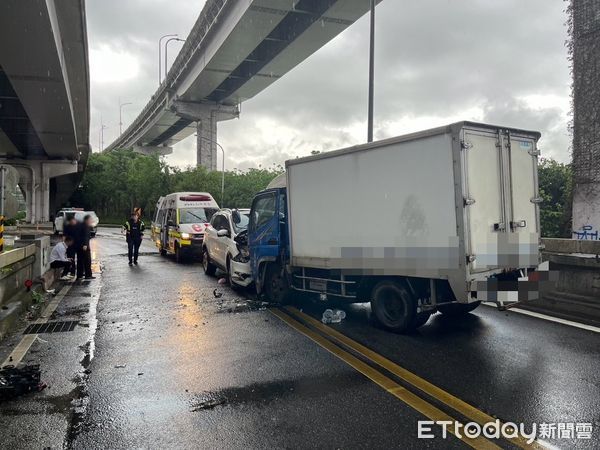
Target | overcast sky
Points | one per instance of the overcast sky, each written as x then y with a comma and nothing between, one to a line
437,61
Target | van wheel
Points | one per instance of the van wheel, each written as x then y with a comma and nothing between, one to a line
209,268
457,309
393,306
276,285
178,255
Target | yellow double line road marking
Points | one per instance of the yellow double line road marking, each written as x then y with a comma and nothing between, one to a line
398,391
427,409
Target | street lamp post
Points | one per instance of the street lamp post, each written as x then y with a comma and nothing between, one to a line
159,54
371,73
101,137
121,115
167,52
222,166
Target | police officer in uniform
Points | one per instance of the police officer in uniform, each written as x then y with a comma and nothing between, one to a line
134,231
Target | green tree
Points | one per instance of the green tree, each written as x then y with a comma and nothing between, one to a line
556,189
115,182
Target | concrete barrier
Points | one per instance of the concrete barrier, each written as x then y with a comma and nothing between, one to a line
42,252
571,246
576,294
16,266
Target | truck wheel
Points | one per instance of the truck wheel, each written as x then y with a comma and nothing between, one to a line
276,286
422,318
457,309
393,306
209,268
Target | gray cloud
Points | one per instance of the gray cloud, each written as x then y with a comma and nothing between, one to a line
437,61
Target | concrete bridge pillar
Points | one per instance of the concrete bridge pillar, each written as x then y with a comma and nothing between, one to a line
206,138
206,115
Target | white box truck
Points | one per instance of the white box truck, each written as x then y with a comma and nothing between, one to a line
435,220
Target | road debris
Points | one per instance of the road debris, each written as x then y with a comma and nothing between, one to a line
207,401
217,294
333,316
19,381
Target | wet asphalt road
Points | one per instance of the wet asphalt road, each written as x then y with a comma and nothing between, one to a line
160,362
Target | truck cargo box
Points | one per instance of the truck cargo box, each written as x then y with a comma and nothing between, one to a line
458,202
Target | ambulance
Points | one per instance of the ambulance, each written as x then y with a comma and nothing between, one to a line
180,222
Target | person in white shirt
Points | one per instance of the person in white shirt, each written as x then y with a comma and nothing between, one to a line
59,258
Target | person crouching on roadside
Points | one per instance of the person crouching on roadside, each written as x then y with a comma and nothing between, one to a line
60,259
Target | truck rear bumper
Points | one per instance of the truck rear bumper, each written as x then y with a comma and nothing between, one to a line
513,287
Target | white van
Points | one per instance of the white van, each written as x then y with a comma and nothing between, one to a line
65,215
180,222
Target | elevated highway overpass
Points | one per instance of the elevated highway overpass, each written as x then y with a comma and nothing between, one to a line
44,99
235,50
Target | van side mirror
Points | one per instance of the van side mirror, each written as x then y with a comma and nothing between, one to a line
223,233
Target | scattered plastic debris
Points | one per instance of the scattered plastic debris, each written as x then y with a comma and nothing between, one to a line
217,294
120,366
15,382
333,316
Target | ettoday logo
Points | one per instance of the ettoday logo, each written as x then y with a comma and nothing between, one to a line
509,430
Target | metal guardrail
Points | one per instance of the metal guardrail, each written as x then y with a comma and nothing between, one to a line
194,43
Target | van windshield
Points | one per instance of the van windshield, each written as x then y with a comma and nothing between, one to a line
196,215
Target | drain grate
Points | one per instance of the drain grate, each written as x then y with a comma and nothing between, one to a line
51,327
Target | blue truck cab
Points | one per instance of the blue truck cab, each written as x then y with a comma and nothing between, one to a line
268,242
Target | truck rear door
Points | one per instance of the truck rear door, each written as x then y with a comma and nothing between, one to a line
500,190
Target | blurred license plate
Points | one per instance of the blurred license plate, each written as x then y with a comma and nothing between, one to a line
317,285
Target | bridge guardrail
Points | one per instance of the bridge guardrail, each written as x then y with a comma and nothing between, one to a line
208,17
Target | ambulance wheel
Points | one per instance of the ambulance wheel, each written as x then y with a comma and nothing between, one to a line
457,309
276,285
209,268
178,255
394,307
162,251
